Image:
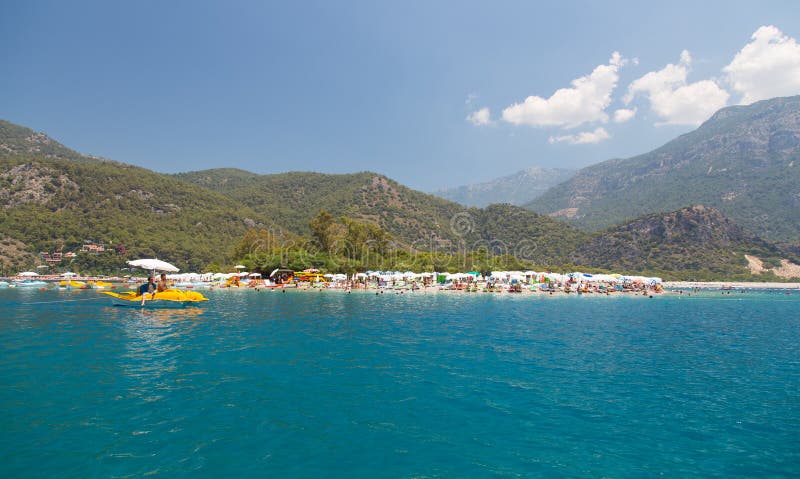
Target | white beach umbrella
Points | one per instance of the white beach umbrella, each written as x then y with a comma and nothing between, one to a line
28,274
154,264
69,273
240,266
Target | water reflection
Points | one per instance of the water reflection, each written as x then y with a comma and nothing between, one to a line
153,340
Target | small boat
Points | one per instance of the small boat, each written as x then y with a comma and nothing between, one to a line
171,298
30,283
72,284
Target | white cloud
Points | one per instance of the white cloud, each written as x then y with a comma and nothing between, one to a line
584,102
583,138
480,117
673,99
767,67
624,114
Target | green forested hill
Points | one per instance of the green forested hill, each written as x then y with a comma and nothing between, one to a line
419,220
744,161
53,203
293,199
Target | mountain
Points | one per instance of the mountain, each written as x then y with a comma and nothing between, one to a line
418,220
53,198
59,200
517,189
697,242
744,161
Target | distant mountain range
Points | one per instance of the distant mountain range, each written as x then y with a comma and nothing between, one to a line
744,161
517,189
54,198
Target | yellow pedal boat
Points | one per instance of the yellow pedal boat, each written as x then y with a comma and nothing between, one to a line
171,298
72,284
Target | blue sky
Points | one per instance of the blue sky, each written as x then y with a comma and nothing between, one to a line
432,94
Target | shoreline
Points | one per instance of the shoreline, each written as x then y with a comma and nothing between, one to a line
669,286
728,285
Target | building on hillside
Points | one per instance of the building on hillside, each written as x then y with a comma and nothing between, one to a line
93,248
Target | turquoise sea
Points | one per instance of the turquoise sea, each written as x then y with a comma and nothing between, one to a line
324,384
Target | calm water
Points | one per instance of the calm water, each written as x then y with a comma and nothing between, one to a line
334,385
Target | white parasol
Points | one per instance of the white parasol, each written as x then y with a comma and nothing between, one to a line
154,264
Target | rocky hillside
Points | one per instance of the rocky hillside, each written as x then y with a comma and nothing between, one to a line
50,204
697,242
744,161
517,189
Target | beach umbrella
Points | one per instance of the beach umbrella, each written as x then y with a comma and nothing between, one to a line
69,273
28,274
154,264
240,266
